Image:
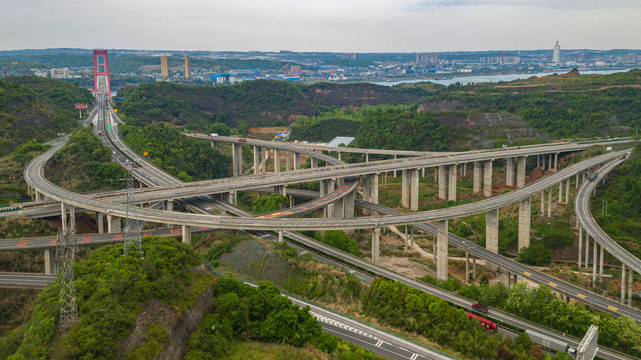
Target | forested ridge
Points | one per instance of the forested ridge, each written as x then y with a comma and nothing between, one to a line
33,108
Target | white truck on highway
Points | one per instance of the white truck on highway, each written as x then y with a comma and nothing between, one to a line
550,343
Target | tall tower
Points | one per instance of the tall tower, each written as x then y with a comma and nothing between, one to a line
101,74
164,68
556,55
187,68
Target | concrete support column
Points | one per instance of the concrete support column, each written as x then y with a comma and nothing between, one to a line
580,245
576,181
339,156
467,267
280,236
256,159
374,189
38,196
567,191
492,233
405,194
451,195
520,172
543,202
509,172
296,161
348,204
63,217
50,266
587,249
487,179
561,192
622,283
113,224
100,221
556,161
330,189
442,182
395,157
237,159
525,212
414,189
601,263
263,160
477,177
314,163
595,261
464,169
169,206
366,157
186,234
538,160
280,189
376,239
366,190
441,252
231,197
550,202
287,161
276,160
630,282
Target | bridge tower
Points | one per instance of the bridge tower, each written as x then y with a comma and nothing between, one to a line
65,254
133,242
101,73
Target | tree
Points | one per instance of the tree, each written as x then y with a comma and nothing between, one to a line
536,254
269,203
219,128
339,240
242,128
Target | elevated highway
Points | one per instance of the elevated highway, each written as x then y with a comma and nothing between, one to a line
592,230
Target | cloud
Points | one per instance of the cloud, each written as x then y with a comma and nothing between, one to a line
427,5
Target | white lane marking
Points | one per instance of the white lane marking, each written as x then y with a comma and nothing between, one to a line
414,356
379,343
336,323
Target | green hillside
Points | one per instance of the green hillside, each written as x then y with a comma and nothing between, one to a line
33,108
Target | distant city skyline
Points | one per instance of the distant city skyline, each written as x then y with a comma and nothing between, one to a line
324,25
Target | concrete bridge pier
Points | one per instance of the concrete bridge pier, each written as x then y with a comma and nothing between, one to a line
441,249
186,234
256,159
405,194
330,189
601,263
525,212
467,267
487,179
550,202
492,234
348,204
339,208
314,163
263,160
595,261
413,189
276,160
587,249
442,182
567,191
477,177
237,159
113,224
280,189
556,161
451,196
280,236
395,157
38,196
630,282
340,157
560,192
296,161
374,190
580,245
520,172
509,172
376,243
622,283
543,202
50,266
287,166
464,169
100,221
366,157
169,206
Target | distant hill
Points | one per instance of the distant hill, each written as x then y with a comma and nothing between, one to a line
36,108
259,102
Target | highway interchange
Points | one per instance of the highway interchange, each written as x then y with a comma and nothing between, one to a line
39,182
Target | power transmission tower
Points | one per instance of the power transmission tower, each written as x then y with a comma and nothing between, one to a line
65,254
133,242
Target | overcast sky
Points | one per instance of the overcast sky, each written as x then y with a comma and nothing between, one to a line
321,25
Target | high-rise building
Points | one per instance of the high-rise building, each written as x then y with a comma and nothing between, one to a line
187,68
60,73
556,55
164,68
